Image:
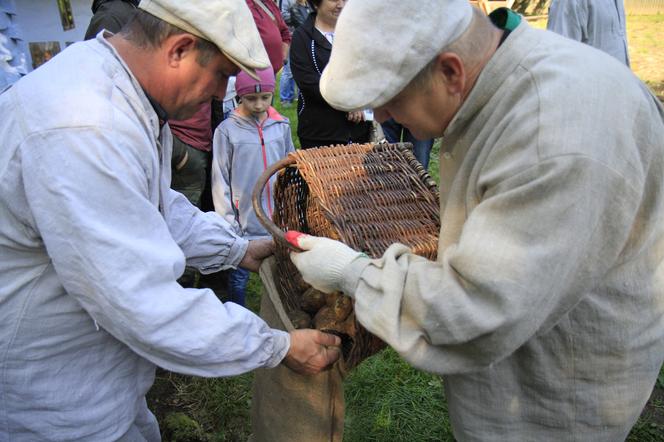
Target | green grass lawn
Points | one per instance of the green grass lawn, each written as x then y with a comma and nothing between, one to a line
386,399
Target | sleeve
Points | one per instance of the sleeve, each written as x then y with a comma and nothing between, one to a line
281,24
305,75
514,272
222,160
569,18
89,195
288,141
286,11
208,242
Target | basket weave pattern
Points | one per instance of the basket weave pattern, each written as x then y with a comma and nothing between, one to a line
367,196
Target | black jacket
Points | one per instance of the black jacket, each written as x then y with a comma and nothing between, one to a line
318,122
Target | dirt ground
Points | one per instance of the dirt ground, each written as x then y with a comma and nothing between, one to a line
646,49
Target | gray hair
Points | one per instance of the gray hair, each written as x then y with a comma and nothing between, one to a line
146,31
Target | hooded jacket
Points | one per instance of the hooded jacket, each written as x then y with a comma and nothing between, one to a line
242,150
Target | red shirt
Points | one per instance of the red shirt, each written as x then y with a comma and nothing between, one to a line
273,32
197,130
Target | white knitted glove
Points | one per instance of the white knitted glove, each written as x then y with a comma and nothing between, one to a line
323,261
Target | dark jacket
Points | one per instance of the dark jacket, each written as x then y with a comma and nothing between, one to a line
318,123
111,15
298,14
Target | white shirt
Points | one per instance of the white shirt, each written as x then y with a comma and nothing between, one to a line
92,240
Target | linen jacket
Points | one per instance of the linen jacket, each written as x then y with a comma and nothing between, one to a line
598,23
545,308
92,240
241,151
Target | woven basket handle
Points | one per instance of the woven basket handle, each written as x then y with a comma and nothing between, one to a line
257,196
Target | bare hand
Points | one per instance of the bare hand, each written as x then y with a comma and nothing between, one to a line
257,251
312,351
356,117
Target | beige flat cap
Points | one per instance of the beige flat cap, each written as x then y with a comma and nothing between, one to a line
226,23
380,45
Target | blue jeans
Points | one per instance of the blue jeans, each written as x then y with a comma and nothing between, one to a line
237,285
396,133
286,85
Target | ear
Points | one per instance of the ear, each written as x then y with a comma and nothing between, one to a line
452,72
178,47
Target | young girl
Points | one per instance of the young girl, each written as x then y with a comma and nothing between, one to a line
253,137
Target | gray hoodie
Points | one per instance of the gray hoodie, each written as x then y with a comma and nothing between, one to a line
242,149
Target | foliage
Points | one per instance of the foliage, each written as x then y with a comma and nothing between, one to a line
178,427
388,400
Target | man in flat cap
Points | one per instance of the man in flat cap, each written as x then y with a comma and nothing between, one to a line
92,239
545,308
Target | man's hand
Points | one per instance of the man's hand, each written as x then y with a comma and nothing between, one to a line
257,251
312,351
323,261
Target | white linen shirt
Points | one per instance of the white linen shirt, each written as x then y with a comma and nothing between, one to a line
92,240
545,308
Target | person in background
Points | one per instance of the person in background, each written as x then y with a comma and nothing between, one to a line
273,31
92,238
544,311
397,133
319,124
294,12
110,15
252,138
598,23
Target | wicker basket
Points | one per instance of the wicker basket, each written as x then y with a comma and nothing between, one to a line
367,196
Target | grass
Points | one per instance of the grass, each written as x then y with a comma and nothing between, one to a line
386,399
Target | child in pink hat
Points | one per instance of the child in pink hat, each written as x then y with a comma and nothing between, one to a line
253,137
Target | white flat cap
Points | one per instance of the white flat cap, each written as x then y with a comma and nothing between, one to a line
380,45
226,23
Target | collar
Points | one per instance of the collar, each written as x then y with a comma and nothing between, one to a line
162,116
505,19
495,73
158,109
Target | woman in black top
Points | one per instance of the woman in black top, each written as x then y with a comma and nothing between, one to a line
318,123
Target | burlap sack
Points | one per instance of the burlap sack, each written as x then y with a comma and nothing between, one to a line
286,406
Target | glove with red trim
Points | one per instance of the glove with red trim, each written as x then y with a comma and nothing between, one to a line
323,260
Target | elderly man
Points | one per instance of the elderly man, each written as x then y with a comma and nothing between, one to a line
545,307
92,239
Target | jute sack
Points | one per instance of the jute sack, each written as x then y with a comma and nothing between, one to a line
286,406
